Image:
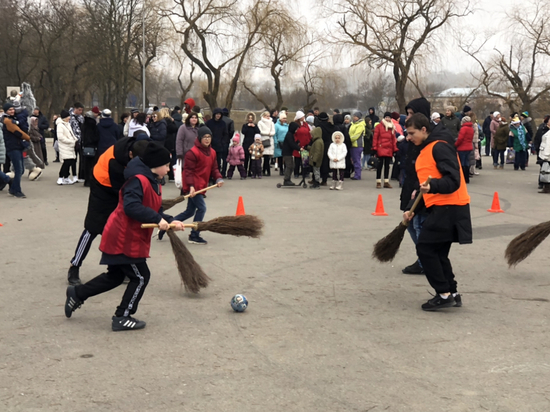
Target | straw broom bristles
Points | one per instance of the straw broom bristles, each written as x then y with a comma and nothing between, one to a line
192,275
522,245
168,203
244,225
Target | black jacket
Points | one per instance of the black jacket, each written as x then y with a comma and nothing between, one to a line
90,133
487,126
220,137
290,144
248,135
230,126
103,200
171,131
158,131
375,119
43,123
109,133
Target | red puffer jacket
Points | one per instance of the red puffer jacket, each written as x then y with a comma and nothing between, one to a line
465,138
302,137
384,141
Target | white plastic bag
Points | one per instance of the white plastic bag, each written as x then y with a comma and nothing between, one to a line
545,172
177,174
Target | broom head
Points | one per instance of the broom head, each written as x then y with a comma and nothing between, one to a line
521,246
386,248
192,275
168,203
244,225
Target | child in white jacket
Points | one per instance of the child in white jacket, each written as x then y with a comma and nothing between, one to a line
337,152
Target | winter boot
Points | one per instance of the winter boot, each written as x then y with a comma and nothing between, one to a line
387,185
333,185
340,185
378,184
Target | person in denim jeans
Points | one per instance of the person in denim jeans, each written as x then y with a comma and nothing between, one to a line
14,140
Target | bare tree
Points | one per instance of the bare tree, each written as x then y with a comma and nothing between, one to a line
217,37
311,79
395,33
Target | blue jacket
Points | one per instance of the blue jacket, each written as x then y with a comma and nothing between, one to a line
280,133
109,133
158,131
12,140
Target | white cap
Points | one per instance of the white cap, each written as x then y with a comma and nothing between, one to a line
299,115
310,119
106,113
436,115
495,114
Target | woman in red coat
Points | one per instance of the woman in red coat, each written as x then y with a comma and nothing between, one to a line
464,145
303,138
384,145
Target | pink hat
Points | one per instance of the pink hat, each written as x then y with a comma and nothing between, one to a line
236,139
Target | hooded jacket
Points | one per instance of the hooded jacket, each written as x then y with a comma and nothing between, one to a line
103,198
452,123
198,167
158,131
500,139
337,155
357,133
302,136
89,132
230,126
384,141
66,140
190,104
290,144
249,132
317,149
267,130
109,133
185,139
375,119
236,155
280,133
140,201
464,142
135,126
43,123
220,137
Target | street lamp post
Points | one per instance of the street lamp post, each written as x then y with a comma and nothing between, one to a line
144,55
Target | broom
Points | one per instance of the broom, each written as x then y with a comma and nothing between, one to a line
192,275
522,245
244,225
386,248
168,203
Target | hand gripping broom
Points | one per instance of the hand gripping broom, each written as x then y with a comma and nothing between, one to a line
386,248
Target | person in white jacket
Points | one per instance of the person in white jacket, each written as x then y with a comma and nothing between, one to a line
544,154
66,141
267,130
337,152
139,123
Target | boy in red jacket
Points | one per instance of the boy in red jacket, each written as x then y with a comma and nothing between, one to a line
125,245
199,167
464,145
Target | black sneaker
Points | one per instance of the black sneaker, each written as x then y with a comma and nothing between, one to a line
414,269
197,240
289,183
458,301
121,323
437,302
72,303
74,278
19,195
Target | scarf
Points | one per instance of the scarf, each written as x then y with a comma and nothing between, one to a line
520,134
387,125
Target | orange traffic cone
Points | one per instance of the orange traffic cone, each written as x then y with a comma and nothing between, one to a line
495,208
379,208
240,207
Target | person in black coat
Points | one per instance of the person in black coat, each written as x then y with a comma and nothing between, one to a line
289,146
108,131
220,139
90,140
157,128
170,142
106,182
372,115
249,130
327,129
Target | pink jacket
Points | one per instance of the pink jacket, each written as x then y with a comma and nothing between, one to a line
236,155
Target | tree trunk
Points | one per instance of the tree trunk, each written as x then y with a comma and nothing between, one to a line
400,84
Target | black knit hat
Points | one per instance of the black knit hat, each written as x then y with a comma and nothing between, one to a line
7,106
387,114
203,130
64,114
155,155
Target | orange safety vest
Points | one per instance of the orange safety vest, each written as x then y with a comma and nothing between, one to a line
426,167
101,169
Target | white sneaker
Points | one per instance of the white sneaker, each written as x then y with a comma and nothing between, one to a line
35,173
79,180
71,181
60,181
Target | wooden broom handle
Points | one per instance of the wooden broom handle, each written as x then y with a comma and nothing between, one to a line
202,190
154,225
419,197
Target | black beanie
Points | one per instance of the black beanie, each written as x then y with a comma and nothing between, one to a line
155,155
420,105
64,114
387,114
203,130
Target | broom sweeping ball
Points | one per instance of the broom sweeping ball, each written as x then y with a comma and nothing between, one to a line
239,303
